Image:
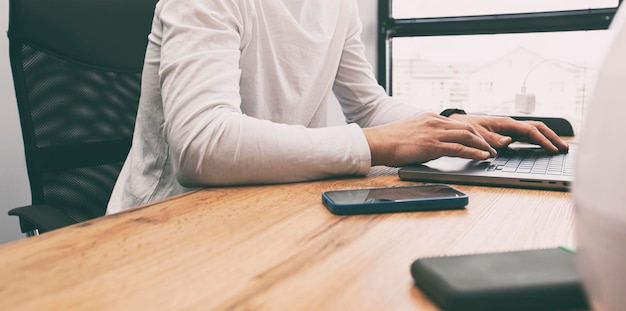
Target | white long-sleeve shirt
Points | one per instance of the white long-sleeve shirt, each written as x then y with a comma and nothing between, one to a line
236,92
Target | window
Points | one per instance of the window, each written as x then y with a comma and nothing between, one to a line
478,54
447,8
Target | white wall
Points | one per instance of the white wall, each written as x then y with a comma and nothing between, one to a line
369,16
14,189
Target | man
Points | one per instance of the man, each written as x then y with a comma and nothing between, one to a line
236,92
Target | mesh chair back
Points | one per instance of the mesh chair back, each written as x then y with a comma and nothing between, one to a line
76,69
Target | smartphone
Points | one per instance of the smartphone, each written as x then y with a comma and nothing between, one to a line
424,197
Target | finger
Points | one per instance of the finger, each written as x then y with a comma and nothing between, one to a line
533,132
494,139
451,124
552,136
462,151
539,133
468,138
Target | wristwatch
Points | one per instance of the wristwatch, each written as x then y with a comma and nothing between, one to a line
450,111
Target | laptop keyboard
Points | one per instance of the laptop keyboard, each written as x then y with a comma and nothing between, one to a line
533,161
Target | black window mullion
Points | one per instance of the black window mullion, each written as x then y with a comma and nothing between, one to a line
592,19
383,62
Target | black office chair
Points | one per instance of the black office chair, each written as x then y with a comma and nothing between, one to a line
76,69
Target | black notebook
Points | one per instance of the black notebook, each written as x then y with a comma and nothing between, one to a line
544,279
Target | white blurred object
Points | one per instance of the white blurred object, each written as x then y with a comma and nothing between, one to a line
525,102
599,190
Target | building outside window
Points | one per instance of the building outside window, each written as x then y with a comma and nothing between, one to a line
478,55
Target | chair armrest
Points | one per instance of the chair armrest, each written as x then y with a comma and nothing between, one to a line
41,217
560,126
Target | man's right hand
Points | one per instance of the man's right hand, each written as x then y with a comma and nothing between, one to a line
423,138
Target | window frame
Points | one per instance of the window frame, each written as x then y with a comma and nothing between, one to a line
389,28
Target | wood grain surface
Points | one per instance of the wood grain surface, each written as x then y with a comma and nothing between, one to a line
273,247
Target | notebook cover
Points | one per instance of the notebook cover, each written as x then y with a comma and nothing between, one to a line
544,279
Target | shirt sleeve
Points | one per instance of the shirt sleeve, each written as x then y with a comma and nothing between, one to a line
362,99
211,142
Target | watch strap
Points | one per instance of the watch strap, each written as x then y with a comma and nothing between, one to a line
450,111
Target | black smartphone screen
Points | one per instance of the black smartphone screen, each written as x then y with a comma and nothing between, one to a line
393,194
394,199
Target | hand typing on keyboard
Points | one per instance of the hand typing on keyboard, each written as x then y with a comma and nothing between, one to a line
499,132
429,136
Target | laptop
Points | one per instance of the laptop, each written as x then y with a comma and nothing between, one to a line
520,166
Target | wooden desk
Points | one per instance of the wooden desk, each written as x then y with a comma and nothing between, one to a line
267,248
